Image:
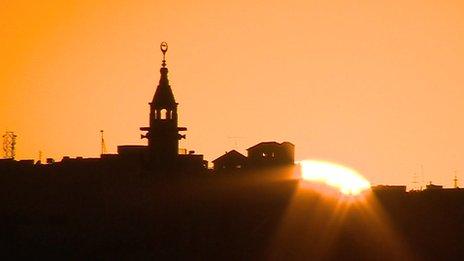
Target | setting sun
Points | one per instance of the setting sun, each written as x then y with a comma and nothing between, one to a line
344,179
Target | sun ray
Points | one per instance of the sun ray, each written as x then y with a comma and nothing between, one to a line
333,204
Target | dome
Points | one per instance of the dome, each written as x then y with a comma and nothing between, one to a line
164,98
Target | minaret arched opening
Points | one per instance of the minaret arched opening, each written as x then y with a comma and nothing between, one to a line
164,114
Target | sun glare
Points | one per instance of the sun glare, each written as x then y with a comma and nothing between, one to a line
344,179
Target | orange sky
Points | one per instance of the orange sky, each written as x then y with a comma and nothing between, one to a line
374,85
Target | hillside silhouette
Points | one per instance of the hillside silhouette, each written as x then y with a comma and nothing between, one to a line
251,215
163,202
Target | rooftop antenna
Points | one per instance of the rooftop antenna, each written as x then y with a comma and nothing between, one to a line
422,176
40,157
164,49
415,182
455,180
9,145
235,139
102,142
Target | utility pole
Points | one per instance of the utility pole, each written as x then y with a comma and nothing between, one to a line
9,145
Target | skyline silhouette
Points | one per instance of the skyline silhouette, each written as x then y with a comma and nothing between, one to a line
376,87
162,155
158,198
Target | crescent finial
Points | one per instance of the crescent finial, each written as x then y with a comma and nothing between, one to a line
164,49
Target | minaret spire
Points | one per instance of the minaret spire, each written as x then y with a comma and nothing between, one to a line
163,133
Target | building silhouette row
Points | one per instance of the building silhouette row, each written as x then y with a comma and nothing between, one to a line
264,154
162,154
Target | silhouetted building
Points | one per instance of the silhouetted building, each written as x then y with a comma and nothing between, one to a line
7,164
433,187
132,151
191,162
389,188
232,160
163,133
271,154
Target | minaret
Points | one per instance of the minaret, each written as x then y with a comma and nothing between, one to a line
163,134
